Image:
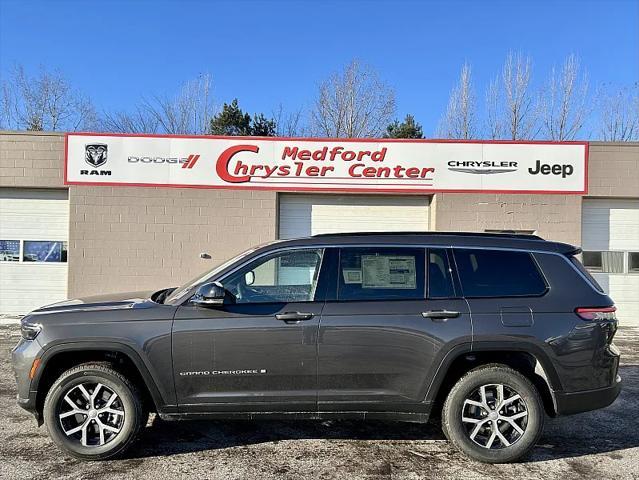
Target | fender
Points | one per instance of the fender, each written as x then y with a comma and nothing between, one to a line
487,346
437,378
91,345
526,347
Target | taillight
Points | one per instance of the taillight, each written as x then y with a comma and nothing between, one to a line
596,313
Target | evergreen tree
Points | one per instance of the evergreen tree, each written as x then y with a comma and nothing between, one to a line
231,121
409,128
262,126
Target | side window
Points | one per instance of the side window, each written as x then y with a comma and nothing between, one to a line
381,273
603,261
289,276
633,262
498,273
586,273
44,251
9,250
440,282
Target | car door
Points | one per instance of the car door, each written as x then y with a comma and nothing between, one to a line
381,338
258,351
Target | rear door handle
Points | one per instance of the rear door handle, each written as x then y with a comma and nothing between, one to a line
292,317
440,314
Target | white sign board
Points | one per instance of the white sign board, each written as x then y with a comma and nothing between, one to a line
347,165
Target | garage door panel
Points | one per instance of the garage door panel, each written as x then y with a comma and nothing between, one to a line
609,224
304,215
624,290
32,215
26,287
41,226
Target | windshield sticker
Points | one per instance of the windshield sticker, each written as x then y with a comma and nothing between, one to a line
388,271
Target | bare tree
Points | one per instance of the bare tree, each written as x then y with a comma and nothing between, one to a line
187,112
353,103
138,121
620,115
289,124
563,103
521,117
510,108
45,101
494,110
459,119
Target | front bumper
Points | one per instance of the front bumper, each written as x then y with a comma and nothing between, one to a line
22,357
29,404
584,401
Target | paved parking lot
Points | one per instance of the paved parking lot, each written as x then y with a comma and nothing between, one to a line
601,445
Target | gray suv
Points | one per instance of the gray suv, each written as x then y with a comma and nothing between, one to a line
487,332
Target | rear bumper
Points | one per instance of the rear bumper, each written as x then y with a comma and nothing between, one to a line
577,402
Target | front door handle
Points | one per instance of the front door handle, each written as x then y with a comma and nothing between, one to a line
440,314
294,317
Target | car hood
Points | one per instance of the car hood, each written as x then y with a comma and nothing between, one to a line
113,301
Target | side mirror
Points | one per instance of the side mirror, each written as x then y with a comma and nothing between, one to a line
209,294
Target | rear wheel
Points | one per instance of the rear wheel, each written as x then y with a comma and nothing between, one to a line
93,412
493,414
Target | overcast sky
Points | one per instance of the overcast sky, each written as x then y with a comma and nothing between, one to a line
266,53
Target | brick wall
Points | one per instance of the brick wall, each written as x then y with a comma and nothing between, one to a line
133,238
614,170
554,217
29,159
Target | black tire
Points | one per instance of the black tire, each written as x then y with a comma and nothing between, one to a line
459,433
129,401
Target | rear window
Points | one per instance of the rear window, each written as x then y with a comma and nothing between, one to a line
498,273
575,261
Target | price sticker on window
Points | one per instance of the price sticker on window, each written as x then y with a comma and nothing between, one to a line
388,271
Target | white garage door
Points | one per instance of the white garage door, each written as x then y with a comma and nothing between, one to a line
302,215
34,230
610,237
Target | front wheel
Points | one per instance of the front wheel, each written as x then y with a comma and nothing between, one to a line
493,414
93,412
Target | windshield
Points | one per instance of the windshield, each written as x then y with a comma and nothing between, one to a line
181,292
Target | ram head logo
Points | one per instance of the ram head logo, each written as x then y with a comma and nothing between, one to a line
95,154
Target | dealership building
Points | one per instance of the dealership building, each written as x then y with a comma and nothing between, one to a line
87,214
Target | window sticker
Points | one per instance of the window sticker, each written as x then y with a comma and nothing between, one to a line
352,275
388,271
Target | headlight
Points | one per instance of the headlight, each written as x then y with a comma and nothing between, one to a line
29,331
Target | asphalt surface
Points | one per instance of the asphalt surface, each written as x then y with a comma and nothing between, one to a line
596,445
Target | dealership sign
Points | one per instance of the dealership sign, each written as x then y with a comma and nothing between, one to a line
349,165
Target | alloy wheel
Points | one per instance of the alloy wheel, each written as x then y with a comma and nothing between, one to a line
91,414
494,416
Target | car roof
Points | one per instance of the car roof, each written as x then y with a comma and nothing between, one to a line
444,239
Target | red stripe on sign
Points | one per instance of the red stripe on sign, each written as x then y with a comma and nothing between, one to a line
194,161
188,160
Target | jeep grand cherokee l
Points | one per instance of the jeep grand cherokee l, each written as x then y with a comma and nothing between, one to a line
489,332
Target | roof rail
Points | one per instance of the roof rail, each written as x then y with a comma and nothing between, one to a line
522,236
